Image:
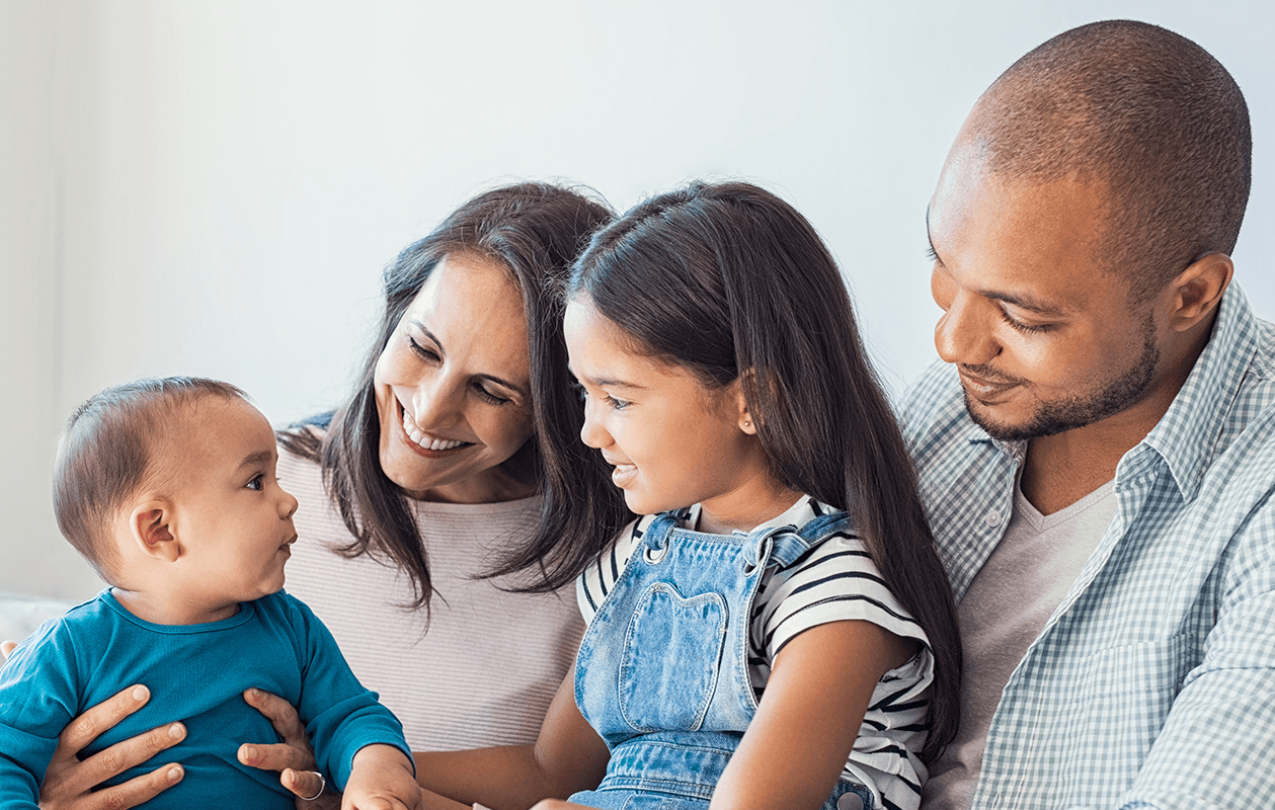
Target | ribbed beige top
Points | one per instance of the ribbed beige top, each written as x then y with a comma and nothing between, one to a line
489,663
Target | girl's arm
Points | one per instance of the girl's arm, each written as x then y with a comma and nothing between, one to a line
568,756
798,742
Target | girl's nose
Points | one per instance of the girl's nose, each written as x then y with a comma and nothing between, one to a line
592,433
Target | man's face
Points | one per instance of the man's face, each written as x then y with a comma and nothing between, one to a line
1045,339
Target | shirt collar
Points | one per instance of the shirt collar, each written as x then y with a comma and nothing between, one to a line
799,514
1187,433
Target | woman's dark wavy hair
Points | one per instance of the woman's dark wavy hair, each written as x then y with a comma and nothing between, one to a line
535,230
726,279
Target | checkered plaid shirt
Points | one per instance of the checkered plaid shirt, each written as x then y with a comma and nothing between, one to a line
1153,683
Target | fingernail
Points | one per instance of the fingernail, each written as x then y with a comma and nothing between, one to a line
176,731
174,774
254,693
248,754
140,693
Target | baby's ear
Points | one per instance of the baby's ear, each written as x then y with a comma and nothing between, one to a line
151,524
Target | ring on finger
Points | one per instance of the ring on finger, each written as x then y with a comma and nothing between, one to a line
323,785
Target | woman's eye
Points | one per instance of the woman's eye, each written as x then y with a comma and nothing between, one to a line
490,397
257,483
422,351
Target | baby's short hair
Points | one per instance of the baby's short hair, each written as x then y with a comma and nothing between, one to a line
107,452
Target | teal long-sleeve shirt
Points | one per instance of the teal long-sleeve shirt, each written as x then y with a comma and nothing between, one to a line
197,675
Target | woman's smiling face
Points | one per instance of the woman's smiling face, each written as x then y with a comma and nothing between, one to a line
453,386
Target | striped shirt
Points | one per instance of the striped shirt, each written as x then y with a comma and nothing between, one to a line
834,581
1152,685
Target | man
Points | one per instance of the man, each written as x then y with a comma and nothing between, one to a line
1098,449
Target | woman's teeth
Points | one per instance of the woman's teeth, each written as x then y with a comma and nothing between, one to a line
425,440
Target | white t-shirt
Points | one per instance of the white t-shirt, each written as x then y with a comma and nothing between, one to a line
834,581
483,665
1003,611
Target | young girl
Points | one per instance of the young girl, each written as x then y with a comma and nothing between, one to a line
777,631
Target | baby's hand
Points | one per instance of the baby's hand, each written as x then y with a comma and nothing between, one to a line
382,779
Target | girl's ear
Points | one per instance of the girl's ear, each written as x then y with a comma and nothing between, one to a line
151,524
744,417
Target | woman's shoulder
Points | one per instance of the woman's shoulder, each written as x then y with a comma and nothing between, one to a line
304,438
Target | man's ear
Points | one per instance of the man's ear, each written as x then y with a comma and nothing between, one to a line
1197,290
152,527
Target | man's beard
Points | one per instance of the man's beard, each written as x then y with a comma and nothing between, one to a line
1061,415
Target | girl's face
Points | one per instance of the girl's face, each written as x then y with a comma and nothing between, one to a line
672,440
453,386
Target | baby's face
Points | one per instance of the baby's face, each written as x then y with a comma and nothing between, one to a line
233,520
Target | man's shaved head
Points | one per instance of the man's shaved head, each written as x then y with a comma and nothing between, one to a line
1142,113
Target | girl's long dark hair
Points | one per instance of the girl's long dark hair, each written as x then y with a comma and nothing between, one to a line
535,230
731,282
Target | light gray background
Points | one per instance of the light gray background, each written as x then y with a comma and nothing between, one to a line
212,188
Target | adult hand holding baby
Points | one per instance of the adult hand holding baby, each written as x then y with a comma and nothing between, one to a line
68,780
293,758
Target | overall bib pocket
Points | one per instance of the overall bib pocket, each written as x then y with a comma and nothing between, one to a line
672,656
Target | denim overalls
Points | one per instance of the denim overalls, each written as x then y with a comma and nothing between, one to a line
662,673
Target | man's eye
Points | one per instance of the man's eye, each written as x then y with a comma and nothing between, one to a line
1025,328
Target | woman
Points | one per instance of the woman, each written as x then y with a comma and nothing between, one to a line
434,522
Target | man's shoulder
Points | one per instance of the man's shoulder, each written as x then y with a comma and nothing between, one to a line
933,411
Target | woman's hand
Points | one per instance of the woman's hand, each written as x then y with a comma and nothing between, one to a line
293,758
68,780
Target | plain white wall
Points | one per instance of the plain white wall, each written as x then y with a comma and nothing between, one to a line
213,189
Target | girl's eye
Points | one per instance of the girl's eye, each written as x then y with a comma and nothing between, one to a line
257,483
580,390
489,397
1025,328
617,404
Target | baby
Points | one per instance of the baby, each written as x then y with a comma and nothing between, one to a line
168,488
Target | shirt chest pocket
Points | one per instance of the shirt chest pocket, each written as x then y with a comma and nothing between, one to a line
671,660
1130,690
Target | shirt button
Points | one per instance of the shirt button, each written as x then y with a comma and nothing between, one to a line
992,518
850,801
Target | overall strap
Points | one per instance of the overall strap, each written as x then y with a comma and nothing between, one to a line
655,536
788,543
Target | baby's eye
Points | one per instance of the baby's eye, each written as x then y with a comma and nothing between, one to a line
257,483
